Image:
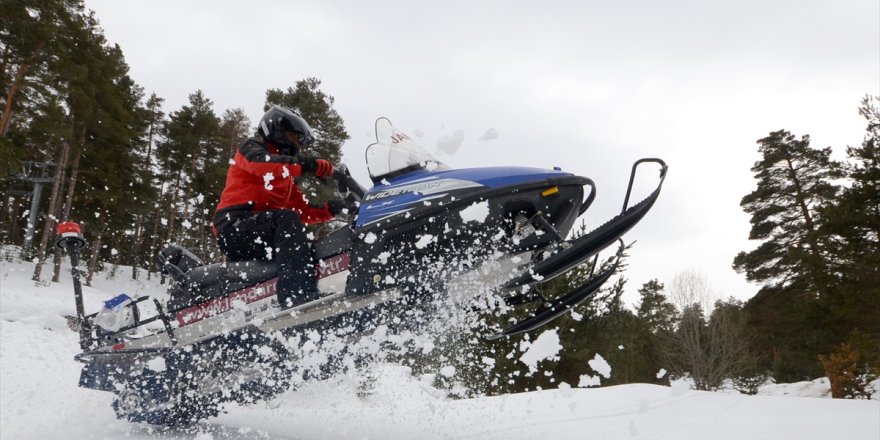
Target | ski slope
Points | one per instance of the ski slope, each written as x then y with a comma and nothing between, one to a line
39,397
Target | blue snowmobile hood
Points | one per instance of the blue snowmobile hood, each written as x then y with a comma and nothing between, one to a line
419,188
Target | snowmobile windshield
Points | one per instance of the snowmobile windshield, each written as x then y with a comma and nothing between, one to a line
394,154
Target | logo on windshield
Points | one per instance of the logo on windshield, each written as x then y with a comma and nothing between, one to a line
398,137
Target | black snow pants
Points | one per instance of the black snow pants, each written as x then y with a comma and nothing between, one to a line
280,236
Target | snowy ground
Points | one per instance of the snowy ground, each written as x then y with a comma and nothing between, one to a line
39,398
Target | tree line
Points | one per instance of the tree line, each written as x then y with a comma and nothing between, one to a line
138,178
817,313
135,177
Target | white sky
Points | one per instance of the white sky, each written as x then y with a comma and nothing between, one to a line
587,85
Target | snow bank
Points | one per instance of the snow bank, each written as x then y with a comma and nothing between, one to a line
39,397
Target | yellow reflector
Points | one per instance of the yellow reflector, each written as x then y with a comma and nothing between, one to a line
549,191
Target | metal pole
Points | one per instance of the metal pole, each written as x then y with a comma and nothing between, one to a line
84,332
70,239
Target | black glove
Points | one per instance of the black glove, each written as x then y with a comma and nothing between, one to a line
335,206
319,167
308,163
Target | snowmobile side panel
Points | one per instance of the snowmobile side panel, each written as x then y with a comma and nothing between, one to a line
99,375
327,307
443,232
334,243
420,189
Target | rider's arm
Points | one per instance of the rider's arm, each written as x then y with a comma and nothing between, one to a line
307,213
258,161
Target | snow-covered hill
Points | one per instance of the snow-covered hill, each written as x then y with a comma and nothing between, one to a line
39,397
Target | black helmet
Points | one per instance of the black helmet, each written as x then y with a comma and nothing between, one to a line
278,120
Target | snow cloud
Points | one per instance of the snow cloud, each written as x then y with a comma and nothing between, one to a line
450,144
599,365
476,212
490,135
546,347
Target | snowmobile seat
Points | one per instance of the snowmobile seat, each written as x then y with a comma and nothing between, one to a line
249,272
214,280
195,282
175,261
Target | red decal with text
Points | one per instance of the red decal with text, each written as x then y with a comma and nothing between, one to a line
397,138
223,304
332,265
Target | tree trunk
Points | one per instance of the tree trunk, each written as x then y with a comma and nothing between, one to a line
186,216
114,254
136,246
14,210
71,189
151,251
172,218
6,218
74,172
15,87
54,209
156,222
93,258
139,226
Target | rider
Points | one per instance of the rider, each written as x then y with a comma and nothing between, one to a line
262,211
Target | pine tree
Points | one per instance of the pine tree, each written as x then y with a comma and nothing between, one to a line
86,100
854,218
794,181
657,318
30,35
234,129
654,309
151,118
110,185
34,37
853,228
793,260
193,153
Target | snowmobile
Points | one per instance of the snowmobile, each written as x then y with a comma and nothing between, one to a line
421,228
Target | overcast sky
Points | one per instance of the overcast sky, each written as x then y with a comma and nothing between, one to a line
588,85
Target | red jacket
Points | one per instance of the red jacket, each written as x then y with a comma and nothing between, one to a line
262,179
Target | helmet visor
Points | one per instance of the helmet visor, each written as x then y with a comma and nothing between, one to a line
295,123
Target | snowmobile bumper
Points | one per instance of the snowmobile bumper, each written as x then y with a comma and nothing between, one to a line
570,254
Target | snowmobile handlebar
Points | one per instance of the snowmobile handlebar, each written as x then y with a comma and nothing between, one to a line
347,183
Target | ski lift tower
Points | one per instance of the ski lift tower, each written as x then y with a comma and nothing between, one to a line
37,174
